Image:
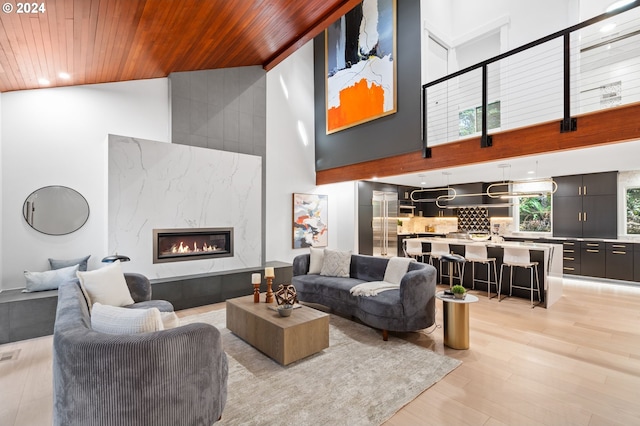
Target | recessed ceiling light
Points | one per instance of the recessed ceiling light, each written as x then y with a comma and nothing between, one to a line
530,172
374,178
423,183
64,76
608,27
43,81
618,5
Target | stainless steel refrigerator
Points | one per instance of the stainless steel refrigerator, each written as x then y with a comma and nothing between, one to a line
385,223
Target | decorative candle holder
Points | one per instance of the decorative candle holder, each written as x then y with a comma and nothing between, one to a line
256,280
256,293
269,297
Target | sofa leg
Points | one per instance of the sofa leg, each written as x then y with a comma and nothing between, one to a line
385,335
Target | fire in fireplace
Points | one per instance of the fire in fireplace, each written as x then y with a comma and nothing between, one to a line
173,245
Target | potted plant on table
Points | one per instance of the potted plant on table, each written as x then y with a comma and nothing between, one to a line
458,291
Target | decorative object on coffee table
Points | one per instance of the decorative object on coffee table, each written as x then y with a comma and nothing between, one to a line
256,280
286,295
458,291
285,310
269,274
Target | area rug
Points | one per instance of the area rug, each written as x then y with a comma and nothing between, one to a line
359,380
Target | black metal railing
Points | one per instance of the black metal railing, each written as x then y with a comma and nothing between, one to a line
576,70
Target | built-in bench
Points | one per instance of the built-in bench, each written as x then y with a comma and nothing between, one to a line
28,315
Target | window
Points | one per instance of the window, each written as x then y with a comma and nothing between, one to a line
533,212
633,210
470,120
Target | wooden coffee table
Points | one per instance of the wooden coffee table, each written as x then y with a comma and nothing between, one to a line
284,339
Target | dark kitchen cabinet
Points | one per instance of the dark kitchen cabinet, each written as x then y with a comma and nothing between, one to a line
571,257
468,194
593,259
431,209
567,214
600,216
586,206
619,261
636,262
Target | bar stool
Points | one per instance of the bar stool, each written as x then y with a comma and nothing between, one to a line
438,250
520,257
452,259
413,248
477,253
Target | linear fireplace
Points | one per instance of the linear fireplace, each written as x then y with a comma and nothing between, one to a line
180,244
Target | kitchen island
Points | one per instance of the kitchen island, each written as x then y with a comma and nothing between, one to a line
548,256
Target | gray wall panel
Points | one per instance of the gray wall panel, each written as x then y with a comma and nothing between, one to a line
395,134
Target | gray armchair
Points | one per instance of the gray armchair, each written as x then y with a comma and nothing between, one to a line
140,289
169,377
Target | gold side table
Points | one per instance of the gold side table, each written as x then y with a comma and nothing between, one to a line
456,320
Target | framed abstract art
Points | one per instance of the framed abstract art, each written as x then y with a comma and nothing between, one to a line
310,220
361,65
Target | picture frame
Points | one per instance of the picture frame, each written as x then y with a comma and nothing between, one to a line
310,220
361,65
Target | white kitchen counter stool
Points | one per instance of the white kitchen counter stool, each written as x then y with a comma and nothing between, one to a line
413,248
520,257
477,253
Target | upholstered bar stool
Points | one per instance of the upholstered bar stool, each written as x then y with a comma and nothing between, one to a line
413,248
477,253
438,250
458,261
520,257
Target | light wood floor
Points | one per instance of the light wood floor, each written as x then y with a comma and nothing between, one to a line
577,363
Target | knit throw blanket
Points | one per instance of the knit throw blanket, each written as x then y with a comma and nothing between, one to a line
396,268
372,288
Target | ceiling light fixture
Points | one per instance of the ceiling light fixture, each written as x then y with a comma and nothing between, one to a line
43,82
64,76
617,5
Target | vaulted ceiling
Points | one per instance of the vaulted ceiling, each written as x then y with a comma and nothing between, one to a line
72,42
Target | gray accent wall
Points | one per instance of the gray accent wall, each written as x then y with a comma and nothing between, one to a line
394,134
224,109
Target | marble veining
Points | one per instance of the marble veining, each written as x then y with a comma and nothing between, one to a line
163,185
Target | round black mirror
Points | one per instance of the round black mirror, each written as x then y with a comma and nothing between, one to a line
55,210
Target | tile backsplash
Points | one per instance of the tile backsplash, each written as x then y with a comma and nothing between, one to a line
473,219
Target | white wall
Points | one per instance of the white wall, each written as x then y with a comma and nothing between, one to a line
58,136
290,164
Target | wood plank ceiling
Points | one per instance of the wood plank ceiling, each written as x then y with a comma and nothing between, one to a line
98,41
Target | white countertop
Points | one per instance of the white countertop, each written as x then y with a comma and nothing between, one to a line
489,243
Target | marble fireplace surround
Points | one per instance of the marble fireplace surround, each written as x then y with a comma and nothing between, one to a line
158,185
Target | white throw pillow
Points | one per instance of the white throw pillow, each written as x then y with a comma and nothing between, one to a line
106,286
316,259
116,320
396,268
336,263
48,280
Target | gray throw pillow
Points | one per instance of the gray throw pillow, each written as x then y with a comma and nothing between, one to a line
62,263
336,263
49,280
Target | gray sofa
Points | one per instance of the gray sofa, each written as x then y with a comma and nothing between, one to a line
169,377
410,308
